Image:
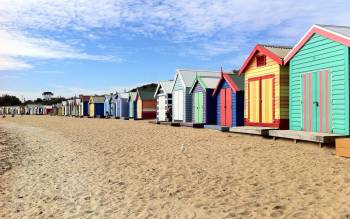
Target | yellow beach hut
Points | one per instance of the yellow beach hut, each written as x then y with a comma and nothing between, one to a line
266,84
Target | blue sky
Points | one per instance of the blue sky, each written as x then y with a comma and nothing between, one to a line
87,46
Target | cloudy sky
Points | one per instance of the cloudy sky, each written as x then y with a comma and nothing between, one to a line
88,46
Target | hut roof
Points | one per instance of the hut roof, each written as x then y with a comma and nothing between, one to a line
340,34
207,82
132,95
123,95
165,85
84,98
235,81
276,53
97,99
188,76
146,92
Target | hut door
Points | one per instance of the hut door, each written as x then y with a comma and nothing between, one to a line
198,103
226,107
316,102
161,108
261,100
131,108
178,105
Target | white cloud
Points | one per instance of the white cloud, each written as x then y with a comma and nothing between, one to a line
7,63
212,27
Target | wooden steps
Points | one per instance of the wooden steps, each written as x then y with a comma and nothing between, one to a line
192,125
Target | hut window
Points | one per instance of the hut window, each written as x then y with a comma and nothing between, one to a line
260,60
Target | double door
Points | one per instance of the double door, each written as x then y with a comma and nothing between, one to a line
261,110
315,102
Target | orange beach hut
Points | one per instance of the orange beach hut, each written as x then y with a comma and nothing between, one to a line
266,84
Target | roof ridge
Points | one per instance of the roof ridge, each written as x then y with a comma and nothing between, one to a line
277,46
331,25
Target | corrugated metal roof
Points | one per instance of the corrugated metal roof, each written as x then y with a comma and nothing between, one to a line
166,86
189,76
147,92
98,99
239,80
280,51
342,30
212,81
123,95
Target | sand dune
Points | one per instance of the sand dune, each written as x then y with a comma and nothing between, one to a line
96,168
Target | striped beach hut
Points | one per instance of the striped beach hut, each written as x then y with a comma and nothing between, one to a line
132,104
84,105
122,105
164,99
96,106
76,107
71,103
181,97
319,81
229,94
107,105
203,103
65,107
146,103
266,83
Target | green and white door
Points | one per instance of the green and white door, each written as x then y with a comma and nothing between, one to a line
198,107
316,102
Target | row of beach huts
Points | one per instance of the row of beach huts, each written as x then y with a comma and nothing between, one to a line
299,92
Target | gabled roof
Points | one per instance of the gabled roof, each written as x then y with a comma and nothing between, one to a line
123,95
165,86
84,98
207,82
132,95
97,99
188,76
147,92
277,53
235,81
340,34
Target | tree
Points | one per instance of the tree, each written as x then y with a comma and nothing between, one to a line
7,100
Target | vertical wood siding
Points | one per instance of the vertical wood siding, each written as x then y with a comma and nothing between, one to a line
320,54
280,85
237,106
198,89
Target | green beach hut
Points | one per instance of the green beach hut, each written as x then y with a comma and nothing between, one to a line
319,81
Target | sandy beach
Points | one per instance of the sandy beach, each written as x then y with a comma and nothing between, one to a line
55,167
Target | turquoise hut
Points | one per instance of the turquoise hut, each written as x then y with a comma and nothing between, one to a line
319,81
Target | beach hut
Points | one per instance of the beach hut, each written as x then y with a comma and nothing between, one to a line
114,105
229,94
203,103
65,107
319,81
122,105
107,106
84,105
164,99
132,103
146,103
181,97
76,107
266,83
96,106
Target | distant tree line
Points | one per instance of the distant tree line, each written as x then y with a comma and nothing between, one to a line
8,100
54,100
